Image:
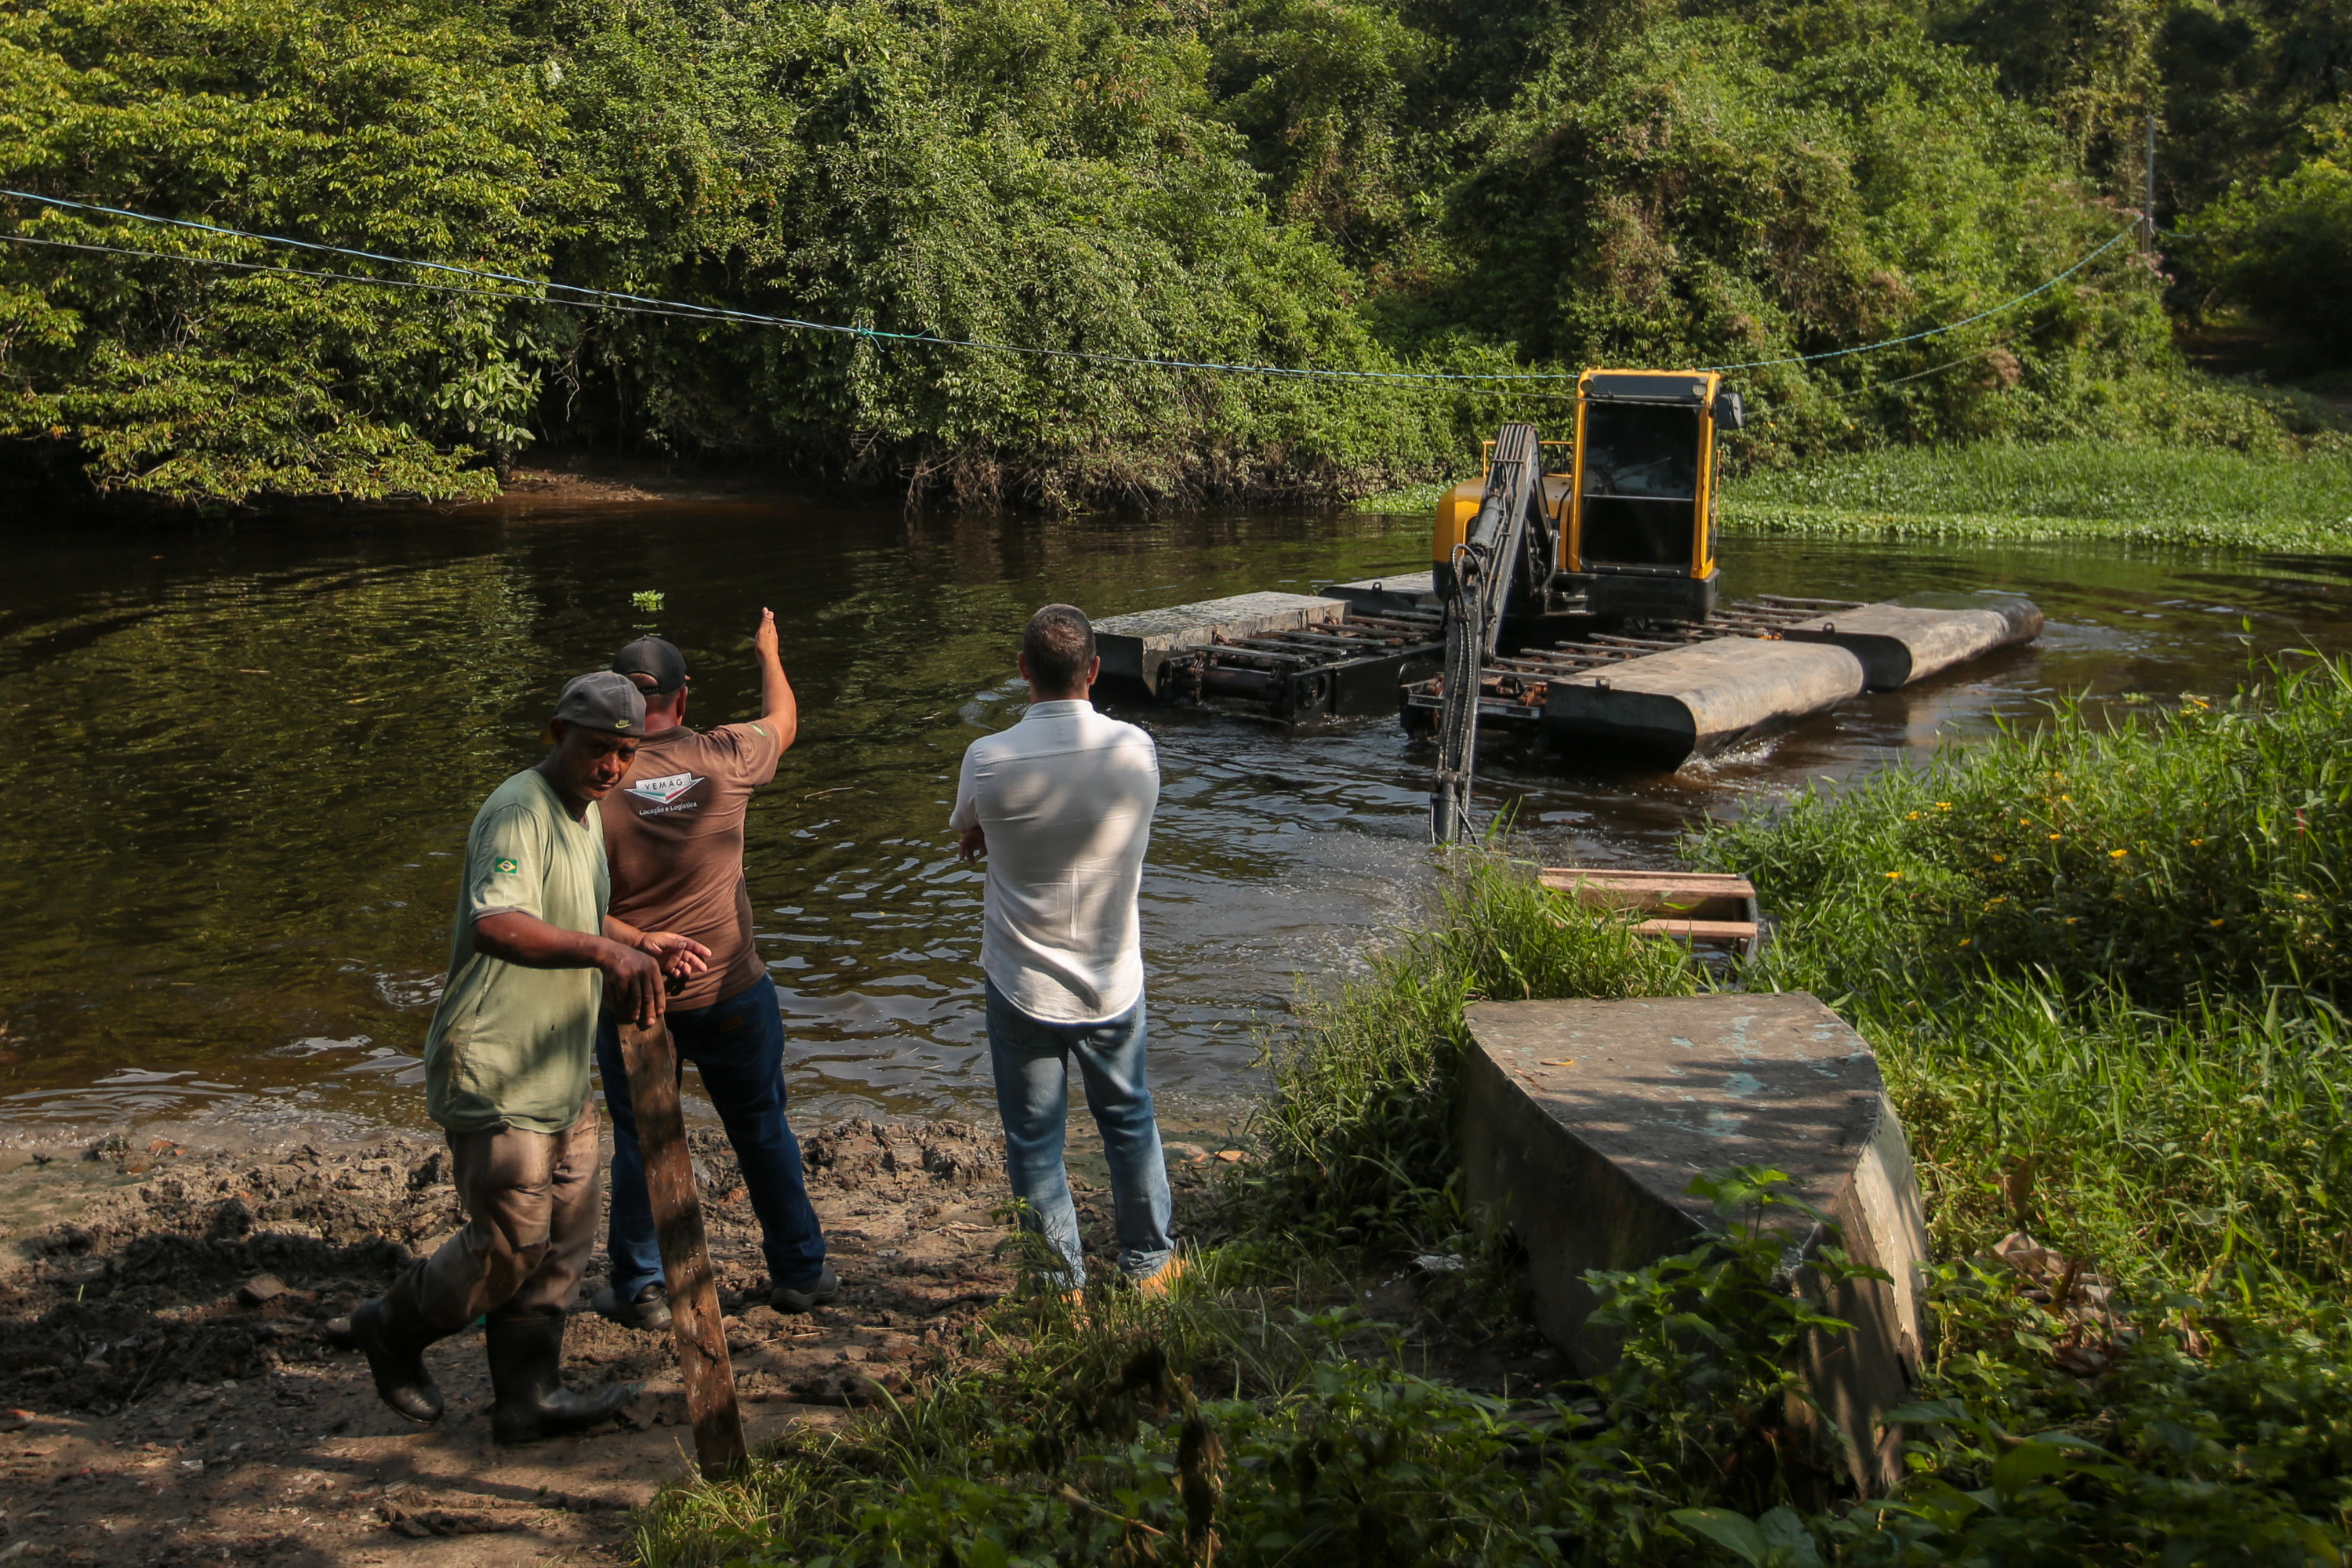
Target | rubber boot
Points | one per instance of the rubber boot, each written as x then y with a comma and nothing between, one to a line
530,1401
393,1332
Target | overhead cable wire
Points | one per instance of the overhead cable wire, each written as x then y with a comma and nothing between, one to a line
616,302
264,266
1933,332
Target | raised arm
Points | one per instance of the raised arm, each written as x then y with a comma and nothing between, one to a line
780,711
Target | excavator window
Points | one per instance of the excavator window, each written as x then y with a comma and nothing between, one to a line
1641,483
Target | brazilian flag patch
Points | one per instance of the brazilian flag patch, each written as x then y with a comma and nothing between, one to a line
506,864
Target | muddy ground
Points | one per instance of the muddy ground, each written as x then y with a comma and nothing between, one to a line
167,1395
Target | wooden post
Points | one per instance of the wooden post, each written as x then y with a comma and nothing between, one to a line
709,1376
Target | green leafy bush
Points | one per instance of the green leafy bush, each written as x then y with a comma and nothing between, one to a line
413,129
2275,248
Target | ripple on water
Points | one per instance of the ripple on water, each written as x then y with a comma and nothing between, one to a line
256,913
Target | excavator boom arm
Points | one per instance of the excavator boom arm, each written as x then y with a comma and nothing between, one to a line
1484,564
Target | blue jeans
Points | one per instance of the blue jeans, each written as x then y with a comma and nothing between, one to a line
738,1045
1032,1095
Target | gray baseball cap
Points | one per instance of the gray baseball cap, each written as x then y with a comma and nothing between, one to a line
658,660
600,701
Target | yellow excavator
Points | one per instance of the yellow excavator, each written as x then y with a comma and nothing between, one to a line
1616,525
1621,524
1573,602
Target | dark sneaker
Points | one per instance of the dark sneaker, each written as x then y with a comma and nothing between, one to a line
649,1309
825,1288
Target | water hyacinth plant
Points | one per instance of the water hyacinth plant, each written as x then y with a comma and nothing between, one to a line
2171,493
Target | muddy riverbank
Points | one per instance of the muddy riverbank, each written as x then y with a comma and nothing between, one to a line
169,1392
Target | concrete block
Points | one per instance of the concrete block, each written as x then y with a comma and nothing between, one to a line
1584,1122
1897,645
1667,708
1134,646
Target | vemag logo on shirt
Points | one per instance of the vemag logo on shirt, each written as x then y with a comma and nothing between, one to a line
664,790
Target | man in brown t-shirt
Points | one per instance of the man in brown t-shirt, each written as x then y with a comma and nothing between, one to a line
673,836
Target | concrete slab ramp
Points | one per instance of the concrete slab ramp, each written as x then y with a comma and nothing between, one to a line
1584,1122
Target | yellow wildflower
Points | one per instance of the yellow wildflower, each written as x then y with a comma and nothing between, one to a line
2000,859
2057,836
2117,854
2213,923
1894,875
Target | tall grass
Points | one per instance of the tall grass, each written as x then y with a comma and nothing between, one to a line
2097,965
2177,1150
2177,852
1358,1133
2058,491
2073,489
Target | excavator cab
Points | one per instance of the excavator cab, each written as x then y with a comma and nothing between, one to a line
1625,525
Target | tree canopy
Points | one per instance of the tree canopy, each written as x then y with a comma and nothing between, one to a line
1423,185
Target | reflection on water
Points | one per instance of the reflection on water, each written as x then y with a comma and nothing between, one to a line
245,755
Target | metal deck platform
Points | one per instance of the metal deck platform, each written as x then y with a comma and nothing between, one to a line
1298,660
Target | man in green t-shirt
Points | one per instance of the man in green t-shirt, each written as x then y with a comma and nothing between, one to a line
506,1075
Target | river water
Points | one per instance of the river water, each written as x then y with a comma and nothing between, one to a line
246,753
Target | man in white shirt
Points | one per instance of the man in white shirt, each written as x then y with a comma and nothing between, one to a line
1061,805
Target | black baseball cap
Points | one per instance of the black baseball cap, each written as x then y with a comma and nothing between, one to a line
602,701
654,659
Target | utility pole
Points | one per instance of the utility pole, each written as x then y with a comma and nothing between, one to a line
2148,197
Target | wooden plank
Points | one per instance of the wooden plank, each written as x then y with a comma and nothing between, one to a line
1700,930
1677,884
709,1376
1661,891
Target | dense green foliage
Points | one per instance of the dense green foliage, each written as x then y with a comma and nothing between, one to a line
2196,848
2277,246
1348,184
378,127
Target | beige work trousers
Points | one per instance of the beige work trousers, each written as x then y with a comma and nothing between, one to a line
532,1210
